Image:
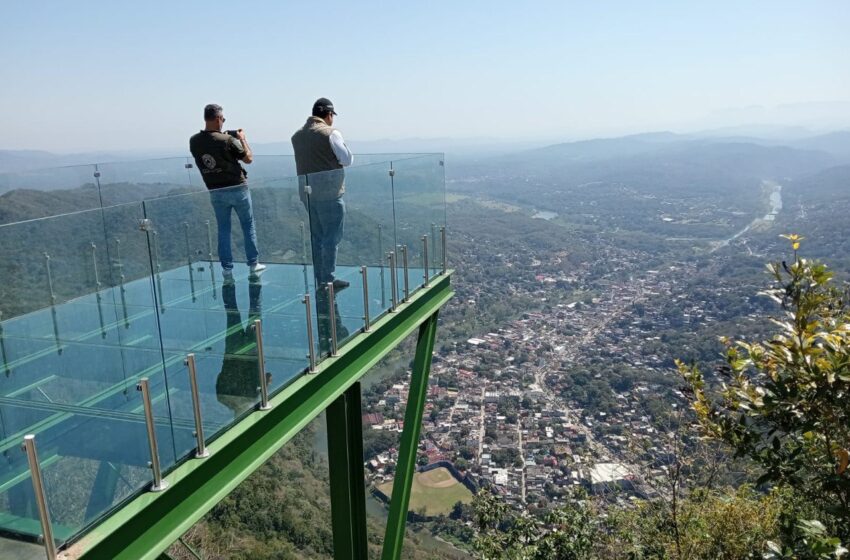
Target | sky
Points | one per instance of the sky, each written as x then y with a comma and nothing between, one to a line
83,76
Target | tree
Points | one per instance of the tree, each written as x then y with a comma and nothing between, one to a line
566,533
783,403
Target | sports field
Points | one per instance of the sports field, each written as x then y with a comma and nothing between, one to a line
436,490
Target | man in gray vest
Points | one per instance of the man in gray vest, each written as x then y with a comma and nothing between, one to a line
217,155
320,155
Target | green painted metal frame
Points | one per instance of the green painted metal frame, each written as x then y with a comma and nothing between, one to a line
406,466
348,491
147,525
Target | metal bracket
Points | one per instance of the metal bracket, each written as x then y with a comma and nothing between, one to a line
189,166
145,224
392,172
97,174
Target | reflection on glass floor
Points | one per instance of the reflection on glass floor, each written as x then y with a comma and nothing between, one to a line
69,375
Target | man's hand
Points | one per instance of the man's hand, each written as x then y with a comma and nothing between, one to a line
249,155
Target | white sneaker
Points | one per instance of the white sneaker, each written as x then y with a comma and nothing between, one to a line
257,268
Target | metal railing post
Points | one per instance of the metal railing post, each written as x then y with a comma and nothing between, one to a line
94,263
367,325
201,450
443,249
403,249
381,252
311,353
425,259
158,483
188,246
303,244
209,242
261,366
40,496
49,279
393,284
332,317
119,263
156,250
434,242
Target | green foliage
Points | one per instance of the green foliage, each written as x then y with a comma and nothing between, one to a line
713,525
566,533
783,403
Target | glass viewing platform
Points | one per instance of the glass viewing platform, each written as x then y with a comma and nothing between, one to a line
124,351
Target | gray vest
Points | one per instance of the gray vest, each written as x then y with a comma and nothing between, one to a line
316,163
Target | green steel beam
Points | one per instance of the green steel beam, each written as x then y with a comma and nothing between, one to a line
146,526
348,490
406,467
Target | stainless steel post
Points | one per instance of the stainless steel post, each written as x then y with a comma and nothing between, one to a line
201,450
119,264
6,369
393,283
303,243
209,242
332,317
367,325
443,249
94,262
406,278
425,258
261,366
434,242
381,252
49,279
188,249
158,483
40,496
156,250
310,342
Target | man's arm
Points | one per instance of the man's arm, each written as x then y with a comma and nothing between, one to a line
341,151
248,156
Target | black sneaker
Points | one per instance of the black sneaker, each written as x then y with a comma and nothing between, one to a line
340,285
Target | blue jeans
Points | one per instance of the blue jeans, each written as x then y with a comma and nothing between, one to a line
223,202
327,219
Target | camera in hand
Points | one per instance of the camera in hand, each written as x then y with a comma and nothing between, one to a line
234,133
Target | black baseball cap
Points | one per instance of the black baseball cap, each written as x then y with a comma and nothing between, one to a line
323,105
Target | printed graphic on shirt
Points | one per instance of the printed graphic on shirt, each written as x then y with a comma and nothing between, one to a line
208,160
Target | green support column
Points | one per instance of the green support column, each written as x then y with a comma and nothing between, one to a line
348,491
406,467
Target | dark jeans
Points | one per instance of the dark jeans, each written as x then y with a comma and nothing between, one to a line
224,201
327,219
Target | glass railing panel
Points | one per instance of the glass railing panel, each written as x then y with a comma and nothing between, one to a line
182,234
420,204
94,289
32,194
268,167
282,224
357,224
139,180
51,261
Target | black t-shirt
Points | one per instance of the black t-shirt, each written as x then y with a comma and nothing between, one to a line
217,156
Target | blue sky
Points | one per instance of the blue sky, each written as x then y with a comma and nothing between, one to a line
107,75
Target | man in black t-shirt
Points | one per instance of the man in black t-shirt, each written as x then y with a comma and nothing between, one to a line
217,155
